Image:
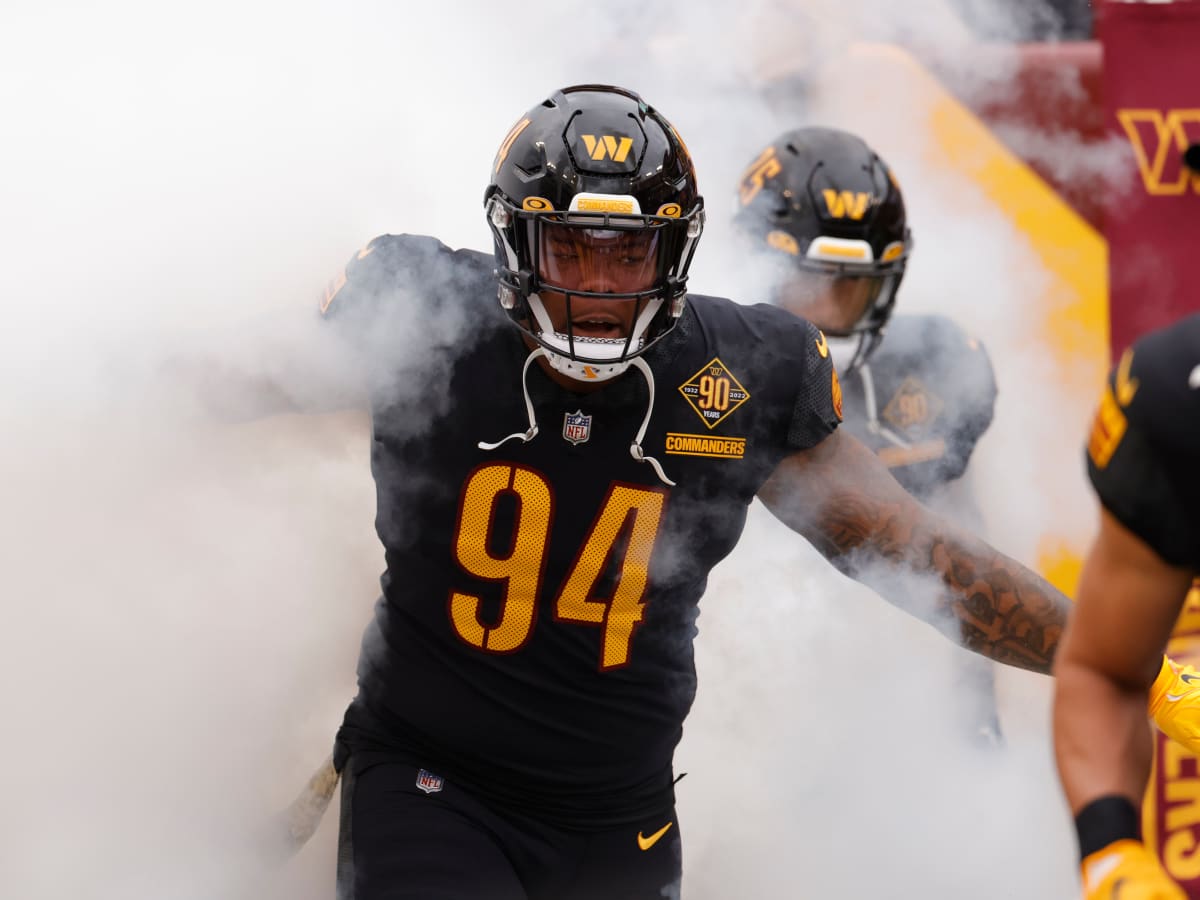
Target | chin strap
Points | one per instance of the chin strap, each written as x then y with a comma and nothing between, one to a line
635,449
531,433
872,404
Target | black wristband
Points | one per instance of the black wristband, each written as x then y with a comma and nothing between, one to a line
1104,820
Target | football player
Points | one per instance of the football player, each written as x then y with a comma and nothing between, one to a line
827,218
1144,462
558,469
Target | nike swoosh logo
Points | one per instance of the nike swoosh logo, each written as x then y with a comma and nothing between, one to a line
822,345
645,843
1099,869
1188,677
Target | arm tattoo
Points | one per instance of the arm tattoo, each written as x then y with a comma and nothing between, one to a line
1004,610
842,498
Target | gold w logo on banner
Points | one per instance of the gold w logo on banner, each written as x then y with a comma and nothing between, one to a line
607,145
846,204
1159,138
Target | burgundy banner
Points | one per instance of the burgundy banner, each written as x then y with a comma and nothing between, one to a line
1151,91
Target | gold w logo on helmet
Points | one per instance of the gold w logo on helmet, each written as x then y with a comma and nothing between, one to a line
1159,138
608,146
846,204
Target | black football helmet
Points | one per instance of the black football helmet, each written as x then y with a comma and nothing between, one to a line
596,166
824,203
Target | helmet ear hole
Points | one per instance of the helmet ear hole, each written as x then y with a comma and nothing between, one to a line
498,215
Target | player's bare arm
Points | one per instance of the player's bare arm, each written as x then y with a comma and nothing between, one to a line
842,498
1127,603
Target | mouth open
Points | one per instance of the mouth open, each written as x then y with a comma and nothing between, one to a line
598,325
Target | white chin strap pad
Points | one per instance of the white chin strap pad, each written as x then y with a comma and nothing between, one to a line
605,359
588,372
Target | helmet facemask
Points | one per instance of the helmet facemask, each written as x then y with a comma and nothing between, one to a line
851,302
594,289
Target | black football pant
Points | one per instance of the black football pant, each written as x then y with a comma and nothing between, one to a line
399,842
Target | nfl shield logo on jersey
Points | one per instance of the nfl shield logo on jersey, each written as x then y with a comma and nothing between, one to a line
428,782
577,427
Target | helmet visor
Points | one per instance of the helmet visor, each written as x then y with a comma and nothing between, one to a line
576,258
834,303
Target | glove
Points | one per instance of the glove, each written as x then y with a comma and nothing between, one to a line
1126,870
1175,703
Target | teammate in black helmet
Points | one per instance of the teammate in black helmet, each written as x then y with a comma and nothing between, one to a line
832,216
556,478
1144,463
827,217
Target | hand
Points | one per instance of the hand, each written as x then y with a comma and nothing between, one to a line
1175,703
1127,870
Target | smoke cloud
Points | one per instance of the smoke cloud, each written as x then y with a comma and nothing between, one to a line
184,595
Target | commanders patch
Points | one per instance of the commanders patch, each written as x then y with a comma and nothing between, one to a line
577,427
430,783
1107,430
705,445
913,406
714,393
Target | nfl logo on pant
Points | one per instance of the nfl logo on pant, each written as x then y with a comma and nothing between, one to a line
577,427
428,782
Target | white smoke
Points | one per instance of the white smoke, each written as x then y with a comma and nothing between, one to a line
183,599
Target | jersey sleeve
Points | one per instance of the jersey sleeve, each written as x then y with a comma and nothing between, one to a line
1144,447
356,298
399,296
817,410
353,314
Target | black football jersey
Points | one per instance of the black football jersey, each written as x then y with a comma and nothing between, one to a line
922,401
534,637
1144,449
